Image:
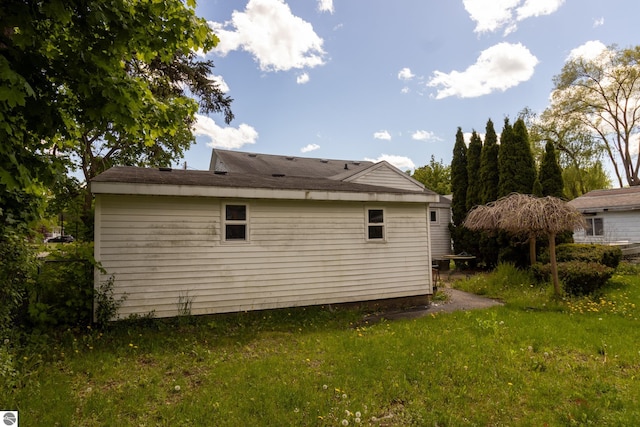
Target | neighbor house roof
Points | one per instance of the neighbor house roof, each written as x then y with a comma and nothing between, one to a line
617,199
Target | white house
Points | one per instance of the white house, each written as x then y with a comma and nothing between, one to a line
261,231
440,218
613,216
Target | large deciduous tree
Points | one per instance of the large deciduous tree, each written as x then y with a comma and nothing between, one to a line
101,82
603,95
436,176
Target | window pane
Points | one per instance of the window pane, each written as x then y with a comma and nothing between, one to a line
236,212
235,232
598,227
589,230
376,216
376,232
434,218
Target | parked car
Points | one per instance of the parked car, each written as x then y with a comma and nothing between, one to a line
60,239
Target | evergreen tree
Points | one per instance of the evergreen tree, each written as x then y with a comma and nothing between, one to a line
517,171
459,179
474,151
550,173
489,166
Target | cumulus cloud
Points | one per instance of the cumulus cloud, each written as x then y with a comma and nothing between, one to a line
382,134
401,162
498,68
221,83
276,38
589,50
302,78
492,15
224,137
598,22
309,147
405,74
325,6
424,135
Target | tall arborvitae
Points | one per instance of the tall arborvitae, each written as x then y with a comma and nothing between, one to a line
489,166
550,173
474,151
459,180
517,171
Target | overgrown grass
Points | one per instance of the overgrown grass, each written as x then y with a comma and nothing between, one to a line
534,361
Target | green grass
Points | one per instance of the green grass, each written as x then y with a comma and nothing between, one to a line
537,360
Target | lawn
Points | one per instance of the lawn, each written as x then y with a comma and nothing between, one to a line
534,361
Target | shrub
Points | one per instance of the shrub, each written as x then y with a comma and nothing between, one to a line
63,295
17,270
603,254
577,277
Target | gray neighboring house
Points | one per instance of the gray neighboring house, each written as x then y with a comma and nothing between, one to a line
261,231
613,216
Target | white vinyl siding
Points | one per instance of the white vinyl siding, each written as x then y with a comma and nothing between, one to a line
160,248
440,233
618,226
384,176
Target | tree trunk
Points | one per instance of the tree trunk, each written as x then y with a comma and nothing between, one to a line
532,249
554,263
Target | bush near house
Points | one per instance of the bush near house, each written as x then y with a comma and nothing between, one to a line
603,254
577,277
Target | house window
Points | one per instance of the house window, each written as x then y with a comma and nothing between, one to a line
434,216
235,223
375,224
595,227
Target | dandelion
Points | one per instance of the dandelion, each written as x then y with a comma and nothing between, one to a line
357,420
344,395
296,410
358,414
345,422
177,388
324,386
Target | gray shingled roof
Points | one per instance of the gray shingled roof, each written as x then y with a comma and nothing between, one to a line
617,199
136,175
236,162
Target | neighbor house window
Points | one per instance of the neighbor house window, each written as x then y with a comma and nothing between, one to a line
434,216
595,227
235,222
375,224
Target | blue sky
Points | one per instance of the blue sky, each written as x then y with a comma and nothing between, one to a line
374,80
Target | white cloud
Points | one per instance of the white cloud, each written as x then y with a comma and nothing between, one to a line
491,15
404,90
401,162
598,22
309,147
382,134
405,74
325,6
589,50
221,83
227,137
424,135
276,38
500,67
302,78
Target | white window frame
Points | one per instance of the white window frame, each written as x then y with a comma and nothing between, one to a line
590,231
226,222
369,224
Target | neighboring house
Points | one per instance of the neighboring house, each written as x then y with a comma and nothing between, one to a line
613,216
440,217
261,231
